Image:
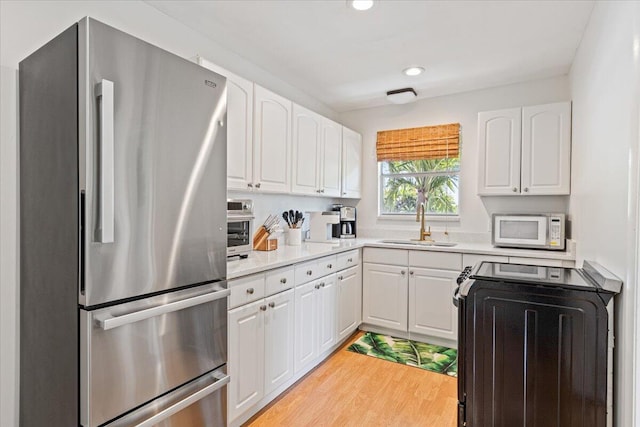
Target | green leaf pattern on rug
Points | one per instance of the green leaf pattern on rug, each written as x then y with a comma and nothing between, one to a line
408,352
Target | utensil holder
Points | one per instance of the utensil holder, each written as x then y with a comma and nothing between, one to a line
294,237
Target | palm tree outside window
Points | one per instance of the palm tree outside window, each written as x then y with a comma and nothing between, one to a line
419,165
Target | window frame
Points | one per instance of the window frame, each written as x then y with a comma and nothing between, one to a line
411,216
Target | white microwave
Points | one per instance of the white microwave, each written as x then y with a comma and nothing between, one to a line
537,231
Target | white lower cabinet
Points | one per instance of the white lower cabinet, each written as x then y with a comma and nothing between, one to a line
278,340
385,293
349,305
431,310
260,350
246,357
306,333
315,320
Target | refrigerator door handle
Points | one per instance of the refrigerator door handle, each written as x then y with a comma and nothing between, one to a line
110,322
177,407
104,95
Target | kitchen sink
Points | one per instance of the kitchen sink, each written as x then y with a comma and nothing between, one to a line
418,242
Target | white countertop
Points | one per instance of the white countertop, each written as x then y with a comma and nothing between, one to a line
259,261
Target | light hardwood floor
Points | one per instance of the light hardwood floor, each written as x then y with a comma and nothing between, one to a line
351,389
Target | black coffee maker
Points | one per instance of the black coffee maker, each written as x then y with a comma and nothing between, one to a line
346,229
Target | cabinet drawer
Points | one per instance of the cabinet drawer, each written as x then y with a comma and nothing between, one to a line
386,256
246,289
306,272
327,265
279,280
438,260
347,259
472,259
536,261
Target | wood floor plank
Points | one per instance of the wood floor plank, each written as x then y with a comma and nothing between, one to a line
351,389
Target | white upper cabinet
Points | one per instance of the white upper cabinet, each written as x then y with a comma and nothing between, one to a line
239,128
499,141
272,142
546,149
525,150
331,159
317,154
307,138
351,163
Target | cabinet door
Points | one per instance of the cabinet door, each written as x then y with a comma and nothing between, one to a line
546,149
239,128
239,133
307,134
385,292
246,357
278,340
326,322
351,163
272,142
331,159
349,312
431,310
499,141
306,331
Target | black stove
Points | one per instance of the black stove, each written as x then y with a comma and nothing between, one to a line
533,342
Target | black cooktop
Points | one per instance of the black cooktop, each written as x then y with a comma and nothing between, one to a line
558,276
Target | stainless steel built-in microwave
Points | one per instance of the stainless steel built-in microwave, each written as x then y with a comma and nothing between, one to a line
537,231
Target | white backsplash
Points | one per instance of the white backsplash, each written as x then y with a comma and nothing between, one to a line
274,204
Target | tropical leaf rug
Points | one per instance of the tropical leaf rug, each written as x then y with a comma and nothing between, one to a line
443,360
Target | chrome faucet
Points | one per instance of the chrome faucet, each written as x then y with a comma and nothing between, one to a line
420,217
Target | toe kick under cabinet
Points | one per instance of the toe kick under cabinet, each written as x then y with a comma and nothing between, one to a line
410,292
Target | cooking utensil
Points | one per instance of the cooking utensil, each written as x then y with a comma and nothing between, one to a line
285,215
292,216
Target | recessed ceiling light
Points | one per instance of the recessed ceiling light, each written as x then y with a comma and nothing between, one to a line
413,71
361,4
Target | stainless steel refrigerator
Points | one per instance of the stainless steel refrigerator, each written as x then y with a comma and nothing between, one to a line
123,234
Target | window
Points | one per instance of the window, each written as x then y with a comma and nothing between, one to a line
419,165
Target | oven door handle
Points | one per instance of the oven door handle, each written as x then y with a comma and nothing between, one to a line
166,413
110,322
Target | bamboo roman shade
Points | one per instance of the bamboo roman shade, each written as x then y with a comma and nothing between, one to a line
427,142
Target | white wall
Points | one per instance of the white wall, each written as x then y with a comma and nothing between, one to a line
460,108
25,26
8,248
605,87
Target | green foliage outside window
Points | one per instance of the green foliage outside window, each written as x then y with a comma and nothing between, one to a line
437,179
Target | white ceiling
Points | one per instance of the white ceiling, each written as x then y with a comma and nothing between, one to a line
349,59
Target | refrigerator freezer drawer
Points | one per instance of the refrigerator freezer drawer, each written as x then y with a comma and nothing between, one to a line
200,403
133,352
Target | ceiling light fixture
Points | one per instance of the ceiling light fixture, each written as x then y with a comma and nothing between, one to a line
361,4
413,71
402,96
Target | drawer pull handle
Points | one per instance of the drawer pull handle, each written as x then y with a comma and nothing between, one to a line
322,284
317,286
309,272
411,273
329,266
258,185
283,280
263,307
250,291
339,277
403,272
272,304
350,260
